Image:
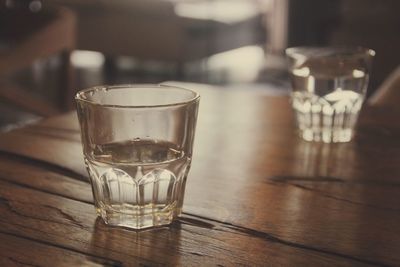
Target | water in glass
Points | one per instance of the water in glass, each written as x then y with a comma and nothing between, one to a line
136,178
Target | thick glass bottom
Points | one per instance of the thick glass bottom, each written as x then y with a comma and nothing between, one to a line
134,218
327,135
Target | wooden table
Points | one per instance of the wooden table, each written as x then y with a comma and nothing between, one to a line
256,195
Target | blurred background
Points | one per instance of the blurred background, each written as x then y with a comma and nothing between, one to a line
51,48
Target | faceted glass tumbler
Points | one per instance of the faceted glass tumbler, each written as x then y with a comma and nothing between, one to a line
328,88
137,145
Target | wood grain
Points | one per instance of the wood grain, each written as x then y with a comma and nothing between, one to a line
256,195
70,224
18,251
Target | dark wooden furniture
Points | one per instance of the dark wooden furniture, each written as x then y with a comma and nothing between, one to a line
26,37
257,195
154,30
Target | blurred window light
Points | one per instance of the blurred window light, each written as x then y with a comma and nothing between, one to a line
126,63
241,64
302,72
35,6
225,11
9,3
87,59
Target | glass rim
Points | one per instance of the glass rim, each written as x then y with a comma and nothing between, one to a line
79,94
343,51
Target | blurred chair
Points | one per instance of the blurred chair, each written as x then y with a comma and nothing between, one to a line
27,36
388,94
160,30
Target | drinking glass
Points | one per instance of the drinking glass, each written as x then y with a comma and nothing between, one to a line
137,145
328,88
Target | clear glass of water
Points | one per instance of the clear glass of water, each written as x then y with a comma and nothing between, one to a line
137,144
328,88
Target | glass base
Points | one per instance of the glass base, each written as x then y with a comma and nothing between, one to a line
147,218
327,135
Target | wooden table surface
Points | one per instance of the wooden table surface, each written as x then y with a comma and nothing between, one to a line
256,195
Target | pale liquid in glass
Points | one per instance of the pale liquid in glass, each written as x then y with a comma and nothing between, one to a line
327,105
138,183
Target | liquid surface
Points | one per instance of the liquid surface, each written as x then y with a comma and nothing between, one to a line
138,178
327,105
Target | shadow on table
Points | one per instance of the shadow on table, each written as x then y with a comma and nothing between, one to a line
159,246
